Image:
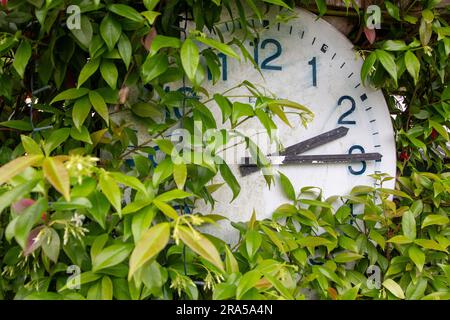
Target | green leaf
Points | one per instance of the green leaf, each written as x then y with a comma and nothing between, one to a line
70,94
409,225
100,207
274,238
17,166
112,192
27,219
252,243
30,146
150,16
230,179
342,213
279,286
311,241
287,187
415,291
84,33
80,111
289,104
154,66
434,219
367,66
200,245
21,57
8,197
141,221
111,256
51,244
395,45
378,238
149,245
224,105
247,282
85,277
417,256
190,58
401,239
412,65
350,294
180,174
126,11
393,10
129,181
439,128
77,203
56,173
222,47
321,6
81,134
87,71
278,3
241,110
99,105
17,124
161,41
231,264
146,110
394,288
125,49
150,4
172,195
166,209
107,288
388,62
345,257
109,72
224,291
110,30
430,244
162,171
136,206
57,137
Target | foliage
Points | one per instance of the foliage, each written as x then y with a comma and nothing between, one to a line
78,221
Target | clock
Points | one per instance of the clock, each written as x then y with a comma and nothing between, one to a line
308,61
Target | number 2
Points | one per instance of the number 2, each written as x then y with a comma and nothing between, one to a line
265,64
341,119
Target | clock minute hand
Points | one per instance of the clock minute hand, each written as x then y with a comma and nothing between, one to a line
247,167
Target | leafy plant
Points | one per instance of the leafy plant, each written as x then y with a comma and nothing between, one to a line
80,220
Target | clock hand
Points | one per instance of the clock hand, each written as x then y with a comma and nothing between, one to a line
316,141
308,144
247,167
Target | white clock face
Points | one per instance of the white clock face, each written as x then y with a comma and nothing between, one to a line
308,61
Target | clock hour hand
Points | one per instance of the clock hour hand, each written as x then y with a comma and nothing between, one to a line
316,141
247,167
306,145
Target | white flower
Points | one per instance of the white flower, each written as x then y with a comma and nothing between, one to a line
78,219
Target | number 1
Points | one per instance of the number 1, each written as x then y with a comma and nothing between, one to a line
312,63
